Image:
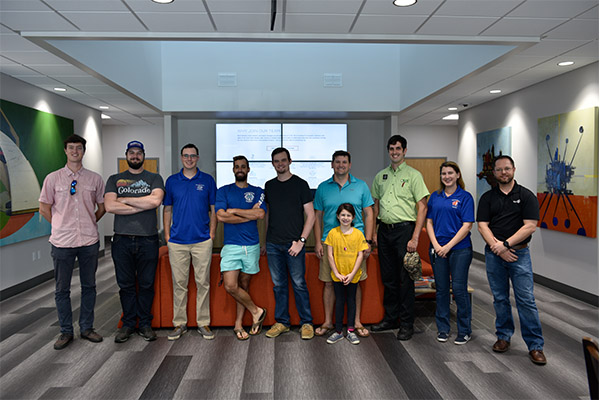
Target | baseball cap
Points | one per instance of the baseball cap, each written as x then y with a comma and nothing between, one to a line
135,143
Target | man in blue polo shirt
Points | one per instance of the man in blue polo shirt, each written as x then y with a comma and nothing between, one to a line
342,187
239,205
189,204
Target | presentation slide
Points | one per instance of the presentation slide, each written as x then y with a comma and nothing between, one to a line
312,172
317,142
255,141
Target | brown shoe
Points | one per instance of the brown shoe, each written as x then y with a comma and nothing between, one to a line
63,341
501,346
537,357
91,336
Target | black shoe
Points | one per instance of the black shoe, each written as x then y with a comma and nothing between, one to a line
147,333
405,333
91,336
124,334
384,326
63,341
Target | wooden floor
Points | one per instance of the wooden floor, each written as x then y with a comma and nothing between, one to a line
381,367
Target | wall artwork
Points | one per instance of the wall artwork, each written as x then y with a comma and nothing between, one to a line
31,146
490,145
567,180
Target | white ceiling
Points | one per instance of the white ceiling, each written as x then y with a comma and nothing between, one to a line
560,29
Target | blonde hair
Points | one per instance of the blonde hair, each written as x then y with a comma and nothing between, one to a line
456,169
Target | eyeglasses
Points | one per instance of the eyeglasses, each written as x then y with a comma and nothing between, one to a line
73,187
192,156
505,169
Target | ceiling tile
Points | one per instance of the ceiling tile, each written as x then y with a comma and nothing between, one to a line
552,9
104,21
80,80
522,26
241,6
23,5
176,22
387,24
477,8
14,42
59,70
250,23
176,6
17,69
6,61
38,80
520,62
469,26
385,7
549,47
590,14
83,5
315,23
582,29
34,57
587,50
35,21
322,7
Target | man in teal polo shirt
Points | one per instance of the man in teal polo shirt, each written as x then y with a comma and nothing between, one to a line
342,187
397,189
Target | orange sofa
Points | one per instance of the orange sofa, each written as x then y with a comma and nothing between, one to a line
222,306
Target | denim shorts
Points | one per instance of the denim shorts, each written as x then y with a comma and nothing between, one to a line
243,258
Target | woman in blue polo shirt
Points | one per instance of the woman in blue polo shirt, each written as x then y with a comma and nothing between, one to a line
450,217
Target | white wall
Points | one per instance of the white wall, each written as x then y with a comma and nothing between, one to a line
16,259
568,259
430,141
114,144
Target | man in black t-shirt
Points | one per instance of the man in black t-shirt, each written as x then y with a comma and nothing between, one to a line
133,197
288,199
507,217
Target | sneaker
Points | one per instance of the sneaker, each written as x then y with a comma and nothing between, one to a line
352,338
177,332
335,337
442,337
206,332
124,334
63,341
91,335
276,330
307,332
462,339
147,333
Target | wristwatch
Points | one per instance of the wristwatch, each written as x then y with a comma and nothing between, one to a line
506,244
303,240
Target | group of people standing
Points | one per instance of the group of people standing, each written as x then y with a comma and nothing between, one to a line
343,215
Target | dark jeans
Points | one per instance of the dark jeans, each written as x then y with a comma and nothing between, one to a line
344,294
398,288
280,264
64,262
455,265
135,259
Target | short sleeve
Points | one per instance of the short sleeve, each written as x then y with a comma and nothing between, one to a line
318,203
367,199
212,193
531,206
47,193
305,193
468,209
99,190
168,199
111,185
221,199
483,210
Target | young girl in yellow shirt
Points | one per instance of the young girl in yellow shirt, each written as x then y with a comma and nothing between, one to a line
345,254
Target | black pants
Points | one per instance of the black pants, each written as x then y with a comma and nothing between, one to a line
344,294
399,289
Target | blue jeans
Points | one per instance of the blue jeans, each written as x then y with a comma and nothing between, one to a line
456,264
280,264
521,275
64,262
136,259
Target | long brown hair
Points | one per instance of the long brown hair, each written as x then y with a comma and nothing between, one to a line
456,169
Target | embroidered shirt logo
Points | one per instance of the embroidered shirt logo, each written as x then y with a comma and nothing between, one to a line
249,197
384,176
455,203
517,201
199,187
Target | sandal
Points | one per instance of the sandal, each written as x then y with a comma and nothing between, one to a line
362,331
323,330
257,326
241,334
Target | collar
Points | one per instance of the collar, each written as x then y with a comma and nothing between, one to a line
400,168
513,190
183,177
351,179
71,173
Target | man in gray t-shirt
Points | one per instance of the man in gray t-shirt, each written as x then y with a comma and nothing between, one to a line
133,196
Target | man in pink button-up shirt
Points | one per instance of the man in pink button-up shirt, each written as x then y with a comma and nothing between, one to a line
72,200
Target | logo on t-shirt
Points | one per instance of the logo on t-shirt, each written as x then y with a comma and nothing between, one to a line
455,203
517,201
128,187
199,187
249,197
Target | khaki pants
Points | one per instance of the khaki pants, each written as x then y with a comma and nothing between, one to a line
179,257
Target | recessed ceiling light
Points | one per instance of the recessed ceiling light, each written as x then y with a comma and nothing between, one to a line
495,91
104,116
565,63
163,1
404,3
451,117
60,89
452,108
103,107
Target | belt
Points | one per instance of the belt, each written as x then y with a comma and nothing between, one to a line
519,246
396,225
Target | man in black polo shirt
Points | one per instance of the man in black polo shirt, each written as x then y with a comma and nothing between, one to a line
507,217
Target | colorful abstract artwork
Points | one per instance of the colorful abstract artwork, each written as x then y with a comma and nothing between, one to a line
31,146
567,179
490,144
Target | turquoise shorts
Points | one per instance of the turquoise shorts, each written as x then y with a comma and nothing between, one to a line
243,258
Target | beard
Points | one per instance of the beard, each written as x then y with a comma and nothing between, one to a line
135,164
241,177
